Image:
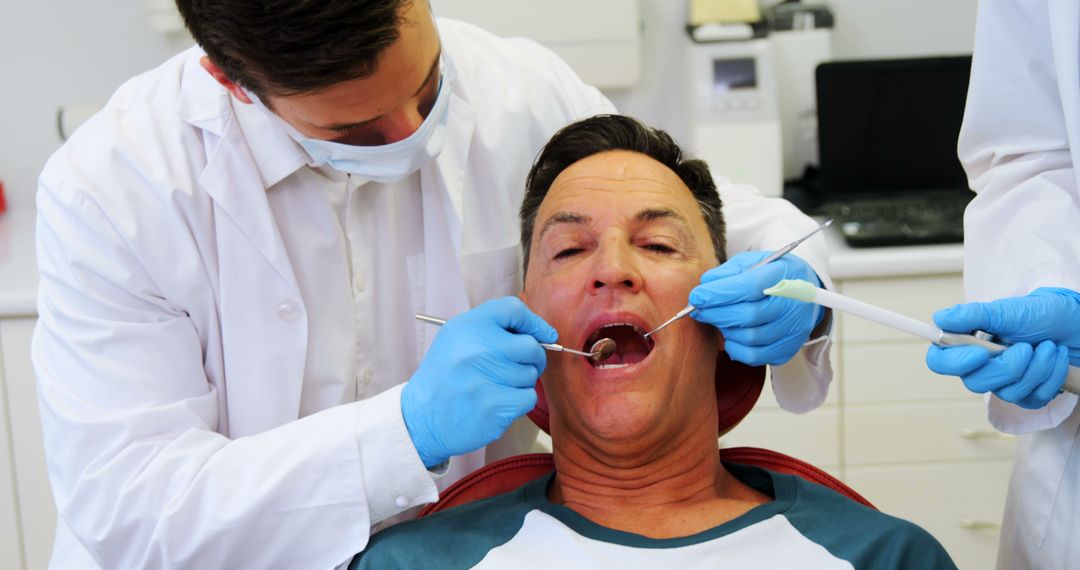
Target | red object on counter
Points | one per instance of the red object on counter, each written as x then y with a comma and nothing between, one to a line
3,204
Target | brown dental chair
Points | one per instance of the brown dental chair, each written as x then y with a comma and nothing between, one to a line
737,389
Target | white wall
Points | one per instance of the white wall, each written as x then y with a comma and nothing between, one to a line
55,52
76,51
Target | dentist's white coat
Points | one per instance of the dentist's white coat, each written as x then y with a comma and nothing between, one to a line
170,350
1020,144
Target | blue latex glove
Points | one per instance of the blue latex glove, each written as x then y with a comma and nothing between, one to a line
1045,325
758,329
476,379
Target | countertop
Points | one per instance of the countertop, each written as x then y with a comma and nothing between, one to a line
19,279
853,263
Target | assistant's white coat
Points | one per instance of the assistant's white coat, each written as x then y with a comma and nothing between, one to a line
1020,144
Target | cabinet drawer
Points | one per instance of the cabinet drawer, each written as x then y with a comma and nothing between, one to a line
916,297
934,431
960,503
813,437
895,371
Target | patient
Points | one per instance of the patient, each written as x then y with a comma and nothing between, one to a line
617,228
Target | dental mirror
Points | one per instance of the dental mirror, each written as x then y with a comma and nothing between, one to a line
602,349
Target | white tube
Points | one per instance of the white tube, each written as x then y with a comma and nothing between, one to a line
877,314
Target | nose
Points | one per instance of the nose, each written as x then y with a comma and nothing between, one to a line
401,123
614,269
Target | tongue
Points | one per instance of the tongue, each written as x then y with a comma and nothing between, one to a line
630,346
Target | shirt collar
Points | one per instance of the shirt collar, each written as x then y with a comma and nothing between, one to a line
275,153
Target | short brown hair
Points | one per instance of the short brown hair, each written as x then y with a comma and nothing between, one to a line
602,133
285,47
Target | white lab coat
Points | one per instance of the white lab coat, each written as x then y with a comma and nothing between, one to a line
1020,144
170,349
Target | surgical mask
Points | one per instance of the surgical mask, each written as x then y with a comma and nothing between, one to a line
390,162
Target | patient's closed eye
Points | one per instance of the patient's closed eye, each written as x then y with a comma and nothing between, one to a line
660,248
568,252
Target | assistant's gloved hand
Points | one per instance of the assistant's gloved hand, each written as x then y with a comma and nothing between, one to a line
476,379
1047,319
758,329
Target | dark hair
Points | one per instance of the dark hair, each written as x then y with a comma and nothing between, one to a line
284,47
601,133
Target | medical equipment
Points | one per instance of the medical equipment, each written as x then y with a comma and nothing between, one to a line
599,351
736,112
801,38
776,255
806,292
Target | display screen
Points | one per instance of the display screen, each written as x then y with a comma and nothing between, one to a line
730,74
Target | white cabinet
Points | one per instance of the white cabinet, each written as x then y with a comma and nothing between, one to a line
11,555
916,444
33,510
958,502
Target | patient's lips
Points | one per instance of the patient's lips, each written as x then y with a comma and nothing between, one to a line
631,346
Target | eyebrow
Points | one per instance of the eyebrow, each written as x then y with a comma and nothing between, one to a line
646,215
650,214
427,79
563,218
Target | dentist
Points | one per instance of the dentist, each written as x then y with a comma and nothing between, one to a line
231,253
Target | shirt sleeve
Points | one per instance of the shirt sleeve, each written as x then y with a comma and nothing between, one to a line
1021,230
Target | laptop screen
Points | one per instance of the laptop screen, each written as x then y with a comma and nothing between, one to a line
888,126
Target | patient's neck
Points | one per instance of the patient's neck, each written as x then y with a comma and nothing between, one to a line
666,487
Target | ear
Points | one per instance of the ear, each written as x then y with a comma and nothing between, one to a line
225,82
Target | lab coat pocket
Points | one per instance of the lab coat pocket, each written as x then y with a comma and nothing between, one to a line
491,274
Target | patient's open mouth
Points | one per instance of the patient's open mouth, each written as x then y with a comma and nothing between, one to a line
631,346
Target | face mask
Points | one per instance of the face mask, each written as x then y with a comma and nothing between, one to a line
390,162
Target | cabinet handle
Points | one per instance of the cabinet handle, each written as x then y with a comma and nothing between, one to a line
973,433
975,524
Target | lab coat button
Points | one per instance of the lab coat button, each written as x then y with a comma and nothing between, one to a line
288,311
401,502
365,379
358,283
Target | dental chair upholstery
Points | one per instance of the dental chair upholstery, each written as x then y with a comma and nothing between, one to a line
738,387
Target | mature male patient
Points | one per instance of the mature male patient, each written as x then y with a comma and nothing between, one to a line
617,228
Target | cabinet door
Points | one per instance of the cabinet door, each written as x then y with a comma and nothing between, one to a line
813,437
37,512
10,533
917,297
960,503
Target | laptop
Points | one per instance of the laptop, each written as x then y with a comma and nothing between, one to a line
887,134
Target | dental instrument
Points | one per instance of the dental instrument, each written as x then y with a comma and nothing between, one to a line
806,292
776,255
600,349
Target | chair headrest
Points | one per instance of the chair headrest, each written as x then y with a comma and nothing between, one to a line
737,389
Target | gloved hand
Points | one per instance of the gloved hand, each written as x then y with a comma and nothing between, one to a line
1048,318
476,379
758,329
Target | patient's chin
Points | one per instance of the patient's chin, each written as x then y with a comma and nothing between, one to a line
621,418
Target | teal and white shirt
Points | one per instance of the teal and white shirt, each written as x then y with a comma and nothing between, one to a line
805,526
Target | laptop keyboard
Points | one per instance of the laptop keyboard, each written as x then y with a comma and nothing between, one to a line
898,221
